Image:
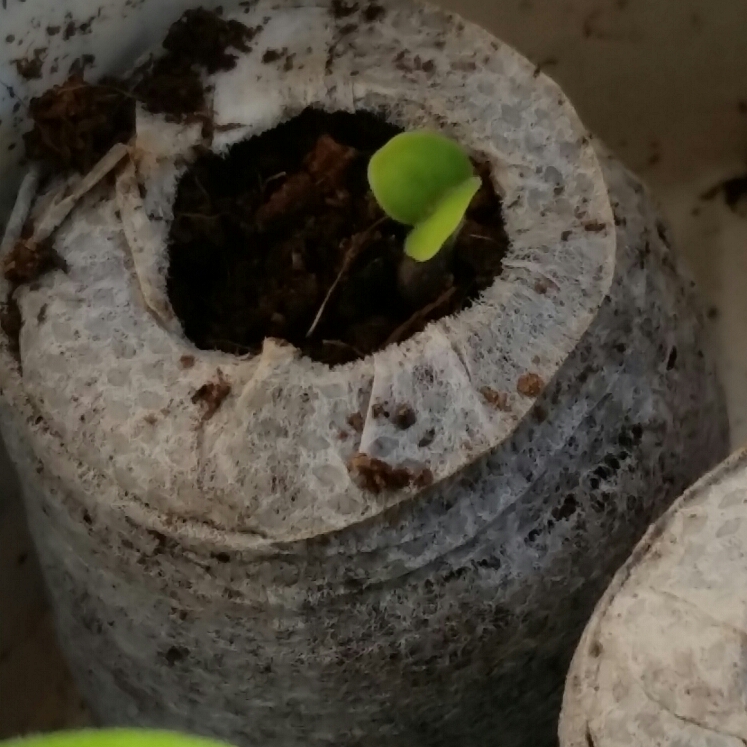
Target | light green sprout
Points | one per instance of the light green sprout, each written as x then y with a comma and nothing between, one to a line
424,180
112,738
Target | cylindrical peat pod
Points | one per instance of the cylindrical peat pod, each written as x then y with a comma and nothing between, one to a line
273,549
662,660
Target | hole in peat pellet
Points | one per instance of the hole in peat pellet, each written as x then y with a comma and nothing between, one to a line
260,237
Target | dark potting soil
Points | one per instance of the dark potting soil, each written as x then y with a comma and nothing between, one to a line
262,236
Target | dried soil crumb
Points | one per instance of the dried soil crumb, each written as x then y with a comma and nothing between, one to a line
76,123
379,410
28,260
212,395
541,286
175,654
341,9
498,400
530,385
377,476
273,55
594,226
374,12
30,68
187,361
404,417
355,421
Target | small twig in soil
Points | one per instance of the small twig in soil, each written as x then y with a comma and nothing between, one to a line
356,245
482,238
114,89
419,317
277,176
343,346
263,184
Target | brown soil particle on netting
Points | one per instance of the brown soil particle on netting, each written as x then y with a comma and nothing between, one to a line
346,8
356,422
379,410
76,123
211,395
202,37
25,262
404,417
530,385
376,476
283,236
28,260
172,88
273,55
498,400
80,64
30,68
171,84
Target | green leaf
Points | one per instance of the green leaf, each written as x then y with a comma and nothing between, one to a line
428,236
413,173
112,738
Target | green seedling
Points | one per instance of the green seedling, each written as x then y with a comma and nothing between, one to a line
112,738
424,180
